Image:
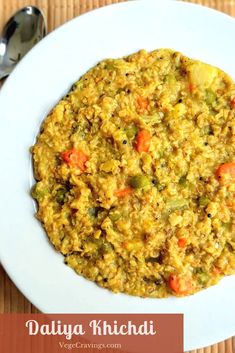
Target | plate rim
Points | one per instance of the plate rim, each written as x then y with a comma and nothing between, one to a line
53,33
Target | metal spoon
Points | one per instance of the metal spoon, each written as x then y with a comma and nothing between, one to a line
20,34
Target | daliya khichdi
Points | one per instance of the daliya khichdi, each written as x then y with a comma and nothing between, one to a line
135,173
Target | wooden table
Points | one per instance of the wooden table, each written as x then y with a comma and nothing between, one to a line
56,13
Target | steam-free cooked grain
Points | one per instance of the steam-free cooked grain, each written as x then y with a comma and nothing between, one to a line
135,172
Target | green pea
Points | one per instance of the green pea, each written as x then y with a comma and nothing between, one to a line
170,79
106,247
139,181
183,181
114,216
93,211
226,225
34,192
38,191
131,131
160,187
206,130
204,201
110,66
198,270
203,278
60,195
99,242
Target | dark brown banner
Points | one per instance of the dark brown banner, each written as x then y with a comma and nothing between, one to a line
91,333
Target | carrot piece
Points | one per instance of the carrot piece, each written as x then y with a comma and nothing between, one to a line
143,141
174,283
226,172
182,242
217,271
75,158
232,102
191,87
98,79
143,103
178,285
231,203
124,192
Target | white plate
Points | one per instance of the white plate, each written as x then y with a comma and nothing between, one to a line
38,82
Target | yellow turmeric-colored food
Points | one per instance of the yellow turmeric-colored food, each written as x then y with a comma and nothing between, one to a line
135,175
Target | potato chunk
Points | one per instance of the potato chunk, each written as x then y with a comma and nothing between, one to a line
201,74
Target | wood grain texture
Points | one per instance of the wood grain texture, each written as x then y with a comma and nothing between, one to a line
57,12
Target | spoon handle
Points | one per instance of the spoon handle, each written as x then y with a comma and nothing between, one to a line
3,46
2,75
1,83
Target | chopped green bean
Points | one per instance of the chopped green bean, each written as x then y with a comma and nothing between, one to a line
176,204
210,97
152,259
139,181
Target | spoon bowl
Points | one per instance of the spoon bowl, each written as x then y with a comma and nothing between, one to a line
25,29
